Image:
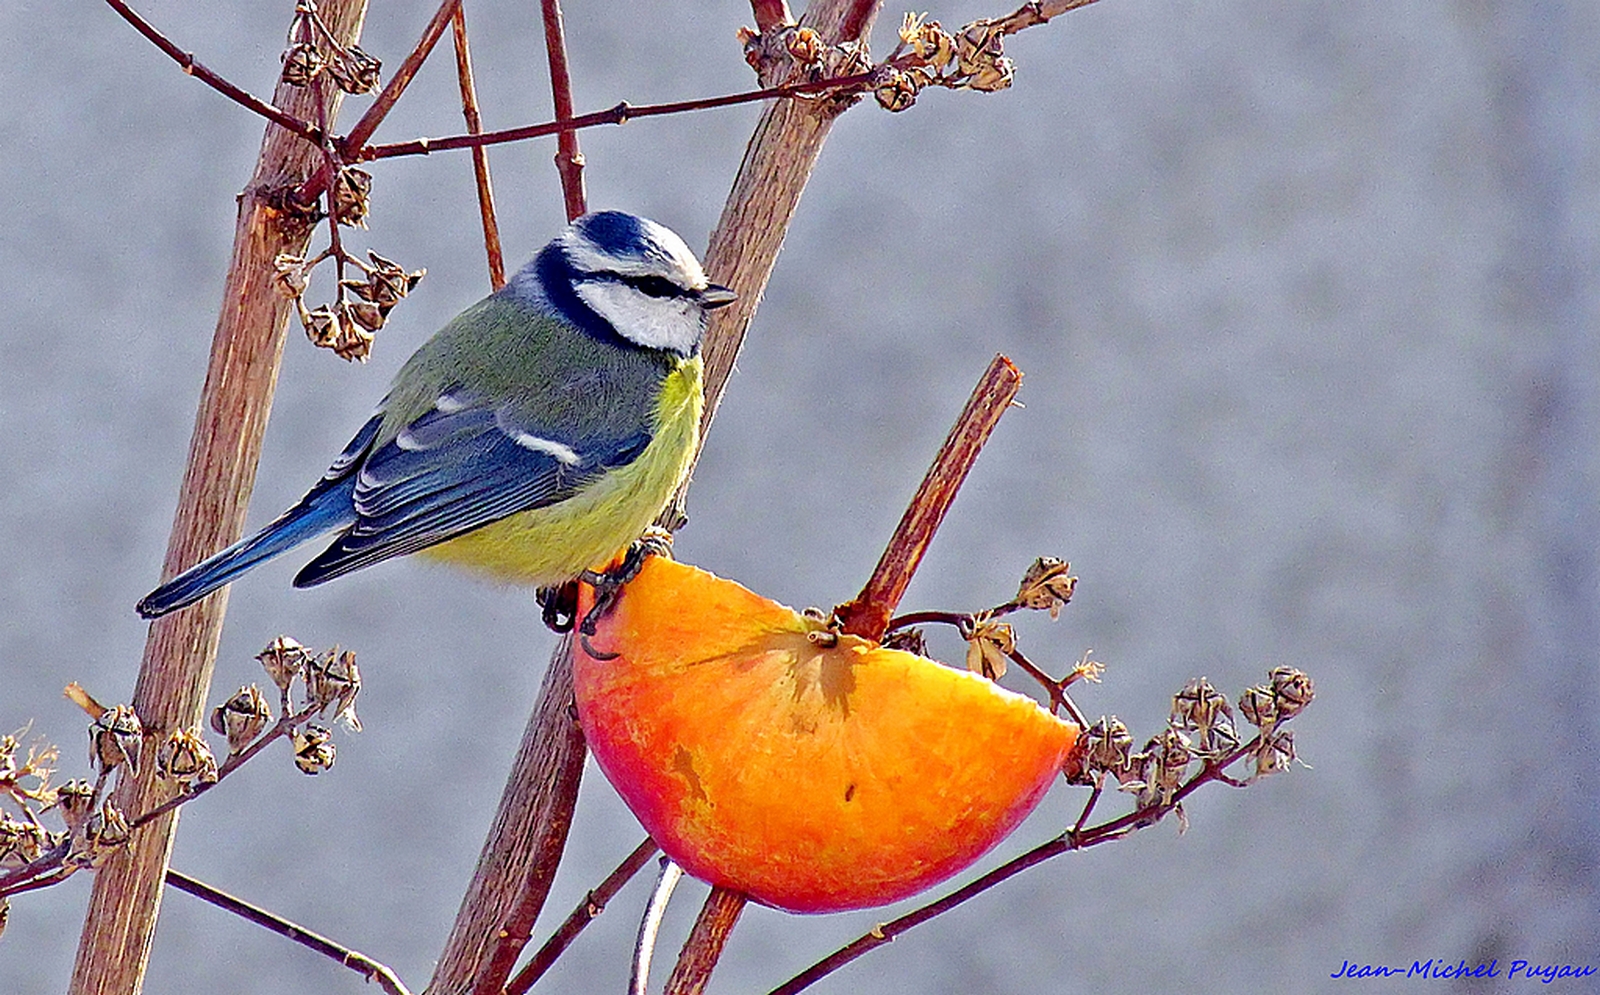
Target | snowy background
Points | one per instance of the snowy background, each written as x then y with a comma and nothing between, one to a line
1306,294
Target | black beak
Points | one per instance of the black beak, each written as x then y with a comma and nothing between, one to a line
715,296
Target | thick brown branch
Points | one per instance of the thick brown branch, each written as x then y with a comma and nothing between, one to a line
176,671
868,615
706,940
194,68
569,161
355,960
587,911
480,155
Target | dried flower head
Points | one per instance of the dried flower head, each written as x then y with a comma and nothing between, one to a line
978,46
897,91
75,800
322,325
1205,711
928,40
993,76
1275,753
1259,706
116,737
912,640
302,63
804,46
354,342
355,71
186,759
352,196
1292,691
101,833
292,278
332,682
20,842
284,659
313,749
1047,586
242,717
988,646
1107,748
1162,765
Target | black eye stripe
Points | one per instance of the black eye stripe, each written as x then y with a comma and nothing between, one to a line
651,286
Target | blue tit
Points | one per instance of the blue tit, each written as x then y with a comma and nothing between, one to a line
533,437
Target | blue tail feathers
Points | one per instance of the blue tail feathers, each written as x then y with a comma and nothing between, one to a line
324,509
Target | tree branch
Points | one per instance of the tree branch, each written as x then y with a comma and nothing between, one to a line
704,946
193,67
868,615
480,155
179,654
353,959
569,161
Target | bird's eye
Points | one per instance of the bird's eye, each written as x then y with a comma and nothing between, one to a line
656,286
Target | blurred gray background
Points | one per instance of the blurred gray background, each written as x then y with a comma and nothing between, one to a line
1306,296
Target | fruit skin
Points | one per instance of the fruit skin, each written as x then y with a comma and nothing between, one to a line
812,777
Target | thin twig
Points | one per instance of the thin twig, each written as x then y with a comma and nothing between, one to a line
194,68
569,161
1067,842
353,959
401,79
869,614
480,155
705,943
586,912
644,946
620,114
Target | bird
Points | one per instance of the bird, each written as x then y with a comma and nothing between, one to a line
535,436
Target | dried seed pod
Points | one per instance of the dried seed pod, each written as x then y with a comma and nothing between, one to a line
911,640
389,282
1203,709
352,196
112,828
978,46
1292,691
313,749
366,315
332,682
897,92
284,659
992,76
354,343
355,71
292,276
117,736
1107,749
1276,752
302,63
1164,761
804,45
186,759
988,646
322,325
1047,586
20,842
1259,706
75,800
242,717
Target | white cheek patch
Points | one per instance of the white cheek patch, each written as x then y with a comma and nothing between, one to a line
653,322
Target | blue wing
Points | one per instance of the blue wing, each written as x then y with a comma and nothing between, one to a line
463,464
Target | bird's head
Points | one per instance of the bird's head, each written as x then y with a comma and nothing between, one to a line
613,272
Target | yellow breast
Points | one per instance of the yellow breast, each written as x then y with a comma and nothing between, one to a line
550,545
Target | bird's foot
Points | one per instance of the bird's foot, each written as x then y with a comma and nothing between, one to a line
559,605
608,584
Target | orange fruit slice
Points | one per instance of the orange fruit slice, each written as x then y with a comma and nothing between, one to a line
809,770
